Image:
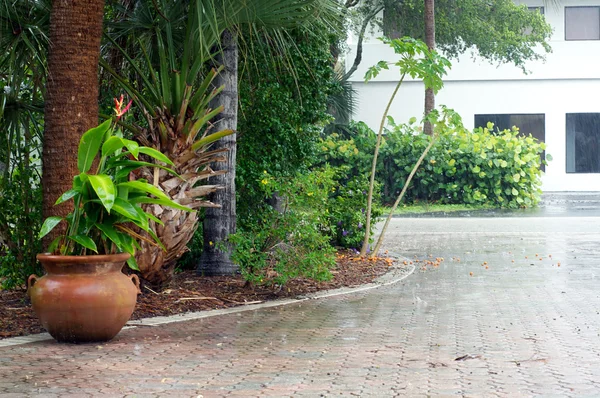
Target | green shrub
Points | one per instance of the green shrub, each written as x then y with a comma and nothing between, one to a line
283,108
351,157
276,246
20,219
478,167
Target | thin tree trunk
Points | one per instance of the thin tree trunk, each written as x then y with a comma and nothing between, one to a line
430,41
220,222
399,199
365,245
72,94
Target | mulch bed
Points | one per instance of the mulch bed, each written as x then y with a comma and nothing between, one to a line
188,292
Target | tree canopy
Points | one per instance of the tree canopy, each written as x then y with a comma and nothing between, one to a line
499,30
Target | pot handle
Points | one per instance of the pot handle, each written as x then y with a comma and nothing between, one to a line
136,282
30,282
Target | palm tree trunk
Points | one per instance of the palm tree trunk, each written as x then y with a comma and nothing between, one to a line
220,222
430,41
72,94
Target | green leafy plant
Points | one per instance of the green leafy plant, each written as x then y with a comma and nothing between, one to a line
419,62
293,242
347,201
282,111
480,167
107,205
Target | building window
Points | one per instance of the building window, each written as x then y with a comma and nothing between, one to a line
582,23
539,9
532,123
583,142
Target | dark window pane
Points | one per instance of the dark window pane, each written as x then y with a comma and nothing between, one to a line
583,142
582,23
534,124
538,9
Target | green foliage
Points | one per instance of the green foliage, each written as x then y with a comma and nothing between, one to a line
478,167
348,200
189,260
416,60
277,246
106,203
23,38
500,30
21,203
457,169
347,211
282,111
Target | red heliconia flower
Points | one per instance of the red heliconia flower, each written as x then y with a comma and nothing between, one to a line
119,110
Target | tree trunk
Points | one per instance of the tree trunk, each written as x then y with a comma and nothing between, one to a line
72,94
220,222
430,41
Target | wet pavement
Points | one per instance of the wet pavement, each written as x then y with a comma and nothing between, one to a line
523,326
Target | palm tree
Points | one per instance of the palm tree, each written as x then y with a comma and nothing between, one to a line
275,17
175,98
221,221
71,106
211,28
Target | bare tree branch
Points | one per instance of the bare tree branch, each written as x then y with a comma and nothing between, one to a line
361,37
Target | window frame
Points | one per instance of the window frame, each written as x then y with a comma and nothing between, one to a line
567,144
565,20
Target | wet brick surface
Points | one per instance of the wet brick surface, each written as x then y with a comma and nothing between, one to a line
528,328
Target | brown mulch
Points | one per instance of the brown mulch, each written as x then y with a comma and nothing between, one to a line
188,292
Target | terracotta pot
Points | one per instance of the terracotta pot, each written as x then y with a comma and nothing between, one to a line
83,298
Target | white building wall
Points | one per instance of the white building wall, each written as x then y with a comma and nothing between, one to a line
568,82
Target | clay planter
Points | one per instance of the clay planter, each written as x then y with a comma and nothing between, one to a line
83,298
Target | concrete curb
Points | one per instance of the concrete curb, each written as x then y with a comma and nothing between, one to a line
397,274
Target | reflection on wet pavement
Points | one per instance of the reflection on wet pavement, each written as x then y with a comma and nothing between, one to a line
513,310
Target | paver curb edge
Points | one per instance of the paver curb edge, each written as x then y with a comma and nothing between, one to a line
396,275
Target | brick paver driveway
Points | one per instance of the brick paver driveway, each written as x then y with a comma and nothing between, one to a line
522,328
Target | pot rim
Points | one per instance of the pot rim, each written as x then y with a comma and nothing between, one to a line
56,258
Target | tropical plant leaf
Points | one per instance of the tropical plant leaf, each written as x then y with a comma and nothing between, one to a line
132,263
66,196
104,188
156,155
124,172
142,219
89,145
126,209
52,247
112,145
144,187
209,139
49,225
115,143
84,241
110,233
155,219
155,237
162,202
131,165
